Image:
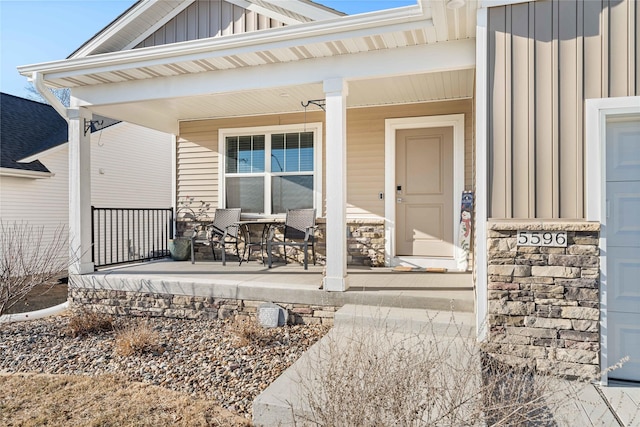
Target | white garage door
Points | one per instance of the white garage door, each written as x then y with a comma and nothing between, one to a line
623,245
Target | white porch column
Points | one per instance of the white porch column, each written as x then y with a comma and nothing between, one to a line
336,184
79,192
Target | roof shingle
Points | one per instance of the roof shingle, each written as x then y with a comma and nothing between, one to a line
27,128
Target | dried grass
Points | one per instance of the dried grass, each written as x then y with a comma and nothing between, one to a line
71,401
137,338
85,322
377,375
248,331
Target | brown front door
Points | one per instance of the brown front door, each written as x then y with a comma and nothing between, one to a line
424,192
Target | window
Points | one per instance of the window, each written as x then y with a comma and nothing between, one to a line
270,170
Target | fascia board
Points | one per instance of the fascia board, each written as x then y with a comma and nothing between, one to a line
17,173
44,153
313,32
114,29
266,12
313,12
183,5
495,3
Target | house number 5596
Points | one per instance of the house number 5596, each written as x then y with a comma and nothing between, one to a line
556,239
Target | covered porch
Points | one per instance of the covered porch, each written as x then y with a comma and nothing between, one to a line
376,76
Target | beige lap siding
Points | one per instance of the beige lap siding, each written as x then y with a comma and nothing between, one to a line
197,151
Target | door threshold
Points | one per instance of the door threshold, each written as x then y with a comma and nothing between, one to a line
422,263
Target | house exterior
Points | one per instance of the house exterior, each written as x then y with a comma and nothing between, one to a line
34,177
380,121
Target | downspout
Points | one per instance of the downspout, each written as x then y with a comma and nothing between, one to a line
36,79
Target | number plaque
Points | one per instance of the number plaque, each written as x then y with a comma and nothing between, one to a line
557,239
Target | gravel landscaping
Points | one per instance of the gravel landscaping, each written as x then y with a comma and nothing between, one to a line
226,361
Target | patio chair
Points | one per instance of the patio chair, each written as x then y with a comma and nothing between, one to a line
299,230
222,232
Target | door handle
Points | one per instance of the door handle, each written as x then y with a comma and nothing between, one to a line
399,200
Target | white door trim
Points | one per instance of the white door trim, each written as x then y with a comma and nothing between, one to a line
391,126
597,112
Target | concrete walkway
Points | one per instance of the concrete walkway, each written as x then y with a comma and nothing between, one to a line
574,404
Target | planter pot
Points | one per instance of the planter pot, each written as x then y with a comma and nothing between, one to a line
180,248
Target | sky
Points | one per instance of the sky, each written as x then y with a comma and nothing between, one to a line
36,31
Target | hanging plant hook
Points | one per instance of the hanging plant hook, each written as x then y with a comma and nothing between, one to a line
318,102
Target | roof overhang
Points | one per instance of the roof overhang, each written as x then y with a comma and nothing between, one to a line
159,86
44,153
19,173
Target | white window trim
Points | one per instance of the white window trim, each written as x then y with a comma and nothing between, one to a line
597,112
315,127
391,126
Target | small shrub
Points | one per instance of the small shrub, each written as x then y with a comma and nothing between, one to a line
248,331
137,338
85,322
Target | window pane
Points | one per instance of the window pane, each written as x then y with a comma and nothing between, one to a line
258,154
277,153
291,156
244,154
246,193
306,152
232,155
291,192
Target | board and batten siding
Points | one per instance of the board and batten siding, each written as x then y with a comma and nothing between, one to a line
545,58
208,18
197,151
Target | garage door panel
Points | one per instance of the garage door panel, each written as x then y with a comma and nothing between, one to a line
624,277
624,340
623,214
623,150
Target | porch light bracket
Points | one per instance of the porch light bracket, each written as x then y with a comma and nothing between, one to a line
318,102
90,125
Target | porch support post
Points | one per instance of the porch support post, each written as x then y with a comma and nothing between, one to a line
336,184
79,192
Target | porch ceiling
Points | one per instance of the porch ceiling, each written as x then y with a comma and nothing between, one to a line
429,87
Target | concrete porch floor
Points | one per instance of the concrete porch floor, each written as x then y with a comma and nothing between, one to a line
290,284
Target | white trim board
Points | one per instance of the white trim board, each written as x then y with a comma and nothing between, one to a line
481,173
391,126
597,111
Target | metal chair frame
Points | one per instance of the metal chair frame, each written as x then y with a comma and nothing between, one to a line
299,230
223,231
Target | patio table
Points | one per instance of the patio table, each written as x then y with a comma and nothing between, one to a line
249,244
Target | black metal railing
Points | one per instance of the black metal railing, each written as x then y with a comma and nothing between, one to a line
121,235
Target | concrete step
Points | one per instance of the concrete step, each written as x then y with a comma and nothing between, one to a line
442,323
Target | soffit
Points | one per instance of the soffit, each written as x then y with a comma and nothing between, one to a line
439,86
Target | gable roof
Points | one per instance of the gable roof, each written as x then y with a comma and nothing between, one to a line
26,128
144,17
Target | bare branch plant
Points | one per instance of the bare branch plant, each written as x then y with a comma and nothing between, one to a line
381,375
30,258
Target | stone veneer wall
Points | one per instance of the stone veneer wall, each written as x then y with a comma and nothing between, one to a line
365,243
543,306
127,303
